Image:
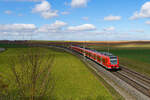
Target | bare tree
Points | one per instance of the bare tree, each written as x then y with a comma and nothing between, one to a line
3,86
32,72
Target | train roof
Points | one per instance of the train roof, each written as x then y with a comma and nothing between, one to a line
102,53
110,55
107,53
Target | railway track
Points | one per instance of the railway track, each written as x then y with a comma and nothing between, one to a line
140,76
136,80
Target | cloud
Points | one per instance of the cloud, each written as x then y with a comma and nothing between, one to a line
32,0
31,30
112,18
8,12
143,13
84,27
58,24
85,18
17,27
44,8
147,22
55,27
49,14
138,31
79,3
23,0
20,15
65,13
109,28
59,31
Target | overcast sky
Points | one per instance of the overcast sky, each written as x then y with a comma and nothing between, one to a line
98,20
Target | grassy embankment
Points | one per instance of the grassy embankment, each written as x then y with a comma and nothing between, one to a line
74,81
134,56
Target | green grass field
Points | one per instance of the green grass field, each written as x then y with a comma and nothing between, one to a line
73,80
136,57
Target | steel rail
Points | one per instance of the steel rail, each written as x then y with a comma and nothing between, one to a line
142,77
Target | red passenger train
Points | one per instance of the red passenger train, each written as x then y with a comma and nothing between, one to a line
105,59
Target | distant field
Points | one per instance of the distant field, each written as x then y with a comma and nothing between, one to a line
134,45
134,56
12,46
74,81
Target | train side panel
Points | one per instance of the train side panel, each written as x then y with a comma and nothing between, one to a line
101,59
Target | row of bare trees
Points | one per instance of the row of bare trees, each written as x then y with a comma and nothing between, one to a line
31,71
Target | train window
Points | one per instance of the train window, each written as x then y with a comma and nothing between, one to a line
99,58
113,60
113,57
103,60
90,54
94,56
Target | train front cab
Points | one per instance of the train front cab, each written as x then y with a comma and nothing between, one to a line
114,63
111,64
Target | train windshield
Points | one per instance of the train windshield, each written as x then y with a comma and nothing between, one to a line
113,60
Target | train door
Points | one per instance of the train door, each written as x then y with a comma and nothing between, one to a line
90,54
98,59
103,61
87,53
106,61
94,56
